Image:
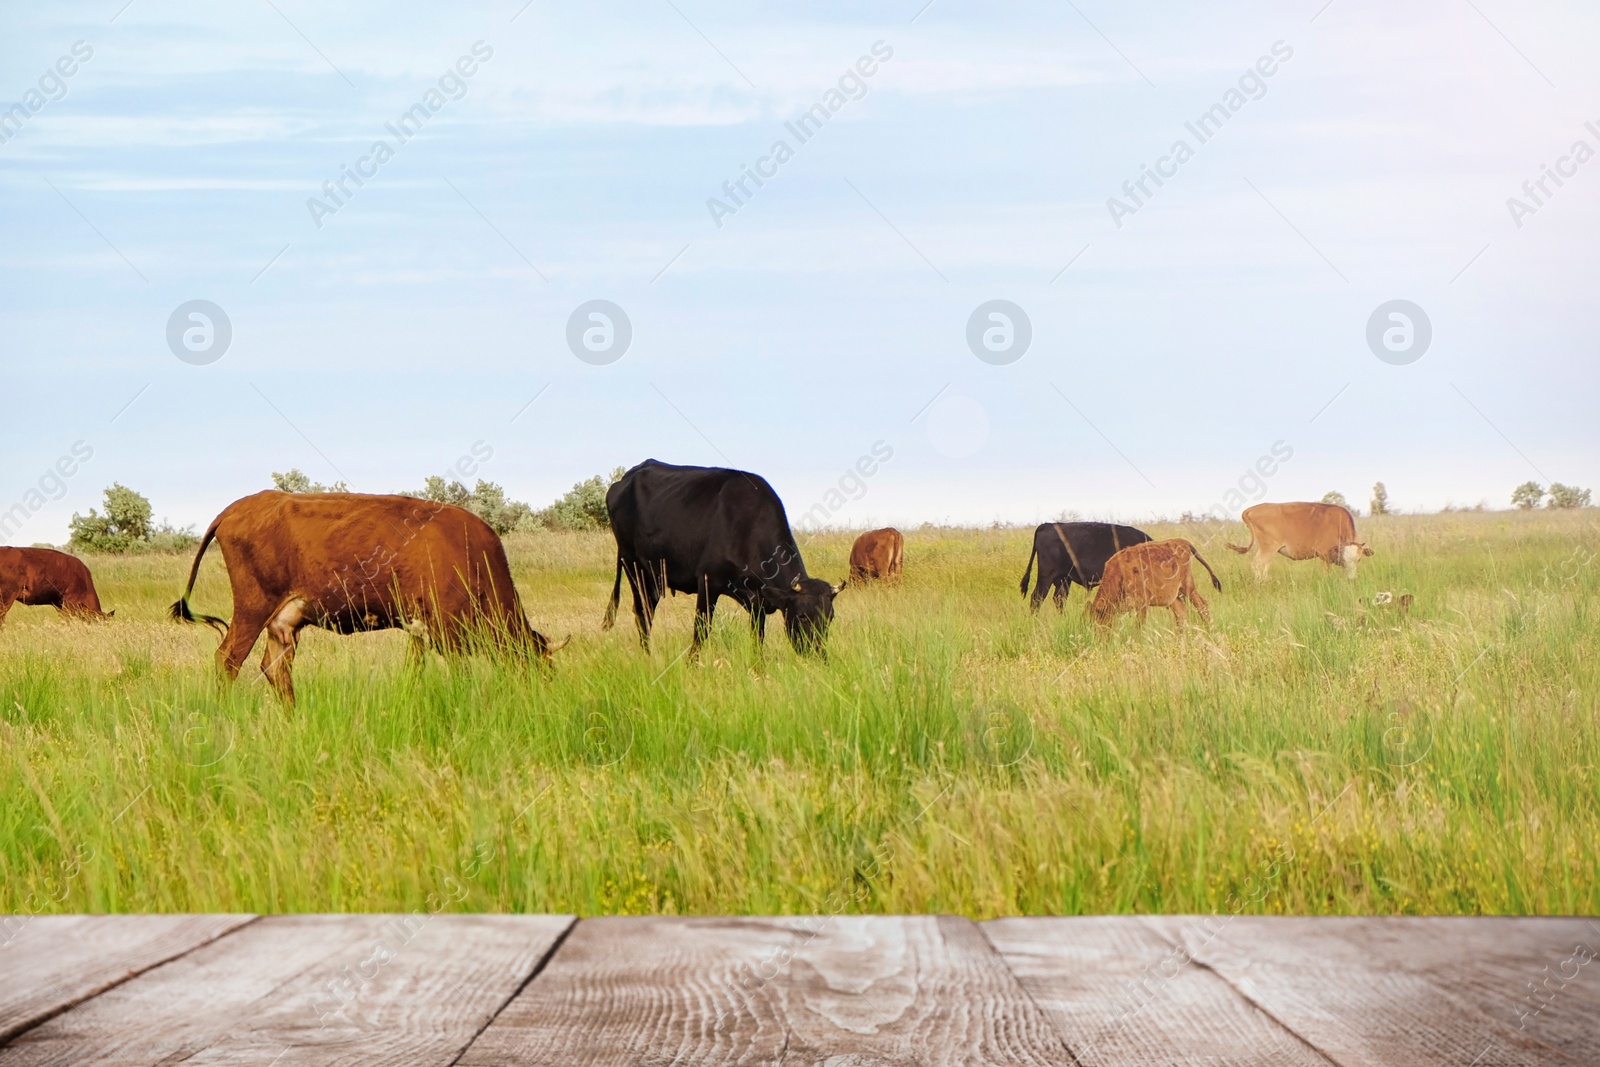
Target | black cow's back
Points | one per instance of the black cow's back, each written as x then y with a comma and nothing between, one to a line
1076,552
696,524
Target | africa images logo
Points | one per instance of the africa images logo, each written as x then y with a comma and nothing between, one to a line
452,85
1252,85
808,125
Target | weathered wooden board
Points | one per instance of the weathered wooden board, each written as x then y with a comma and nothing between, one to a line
1123,993
1423,991
308,989
846,991
51,962
1541,976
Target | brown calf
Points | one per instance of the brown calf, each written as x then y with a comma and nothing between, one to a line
877,554
1155,574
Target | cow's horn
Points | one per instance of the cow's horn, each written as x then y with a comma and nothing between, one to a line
553,649
839,588
796,585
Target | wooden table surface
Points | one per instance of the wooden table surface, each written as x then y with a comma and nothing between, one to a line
840,991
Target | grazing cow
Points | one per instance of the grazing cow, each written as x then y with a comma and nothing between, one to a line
877,554
1302,531
712,532
350,562
1155,574
1074,552
43,576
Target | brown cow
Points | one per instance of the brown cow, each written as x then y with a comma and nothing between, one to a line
1302,531
1155,574
350,562
43,576
877,554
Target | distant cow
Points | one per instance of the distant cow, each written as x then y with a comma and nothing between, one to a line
45,577
1074,552
712,532
1152,575
350,562
1302,531
877,554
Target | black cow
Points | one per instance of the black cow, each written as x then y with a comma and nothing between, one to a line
714,533
1074,552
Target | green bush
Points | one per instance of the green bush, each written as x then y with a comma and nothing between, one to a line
486,500
583,507
297,481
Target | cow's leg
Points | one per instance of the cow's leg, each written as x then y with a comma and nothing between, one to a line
705,605
283,635
1180,611
5,607
1063,591
1144,611
646,596
1200,606
1264,553
243,630
1043,589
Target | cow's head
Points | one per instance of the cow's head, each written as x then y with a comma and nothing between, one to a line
1350,553
807,608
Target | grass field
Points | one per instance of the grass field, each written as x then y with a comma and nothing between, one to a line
1305,753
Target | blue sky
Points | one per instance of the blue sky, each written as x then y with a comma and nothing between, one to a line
829,312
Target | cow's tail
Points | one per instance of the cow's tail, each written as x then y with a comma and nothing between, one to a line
180,611
616,598
1028,574
1216,583
1242,550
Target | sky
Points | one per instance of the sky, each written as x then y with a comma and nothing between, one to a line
834,315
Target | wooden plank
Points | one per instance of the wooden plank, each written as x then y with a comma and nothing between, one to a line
847,990
1539,975
308,989
50,962
1123,993
1422,991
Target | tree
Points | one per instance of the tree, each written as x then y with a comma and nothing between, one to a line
297,481
1380,500
1335,497
126,527
1568,496
1527,495
125,524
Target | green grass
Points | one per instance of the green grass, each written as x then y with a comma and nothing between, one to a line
1302,754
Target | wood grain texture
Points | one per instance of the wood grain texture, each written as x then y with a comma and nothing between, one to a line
846,991
308,989
54,961
1421,991
1121,992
